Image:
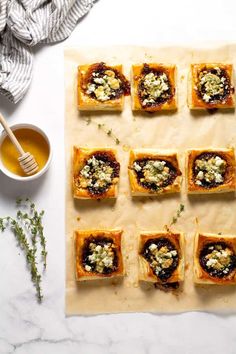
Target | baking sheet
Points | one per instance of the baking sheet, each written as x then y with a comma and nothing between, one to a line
180,130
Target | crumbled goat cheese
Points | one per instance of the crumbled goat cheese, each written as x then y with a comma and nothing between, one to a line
104,87
88,268
95,173
155,86
102,256
154,171
213,84
152,247
210,170
219,259
137,167
161,258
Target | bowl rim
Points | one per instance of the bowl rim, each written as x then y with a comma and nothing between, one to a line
43,170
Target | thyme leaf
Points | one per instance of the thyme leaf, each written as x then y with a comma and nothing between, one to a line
178,214
27,228
109,132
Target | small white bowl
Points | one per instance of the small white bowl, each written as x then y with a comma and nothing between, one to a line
36,175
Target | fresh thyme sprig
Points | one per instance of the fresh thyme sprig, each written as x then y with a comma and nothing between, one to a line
109,132
28,230
178,214
33,220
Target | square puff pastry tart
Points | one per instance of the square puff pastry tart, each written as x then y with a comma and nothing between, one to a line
211,86
161,257
95,173
153,87
214,259
154,172
98,254
211,171
101,87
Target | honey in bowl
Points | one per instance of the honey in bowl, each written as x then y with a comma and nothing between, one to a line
32,142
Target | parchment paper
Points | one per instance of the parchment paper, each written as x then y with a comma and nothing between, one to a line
180,130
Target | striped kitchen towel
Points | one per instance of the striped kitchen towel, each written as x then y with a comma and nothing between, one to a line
25,23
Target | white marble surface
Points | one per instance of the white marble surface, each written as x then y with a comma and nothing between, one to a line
29,328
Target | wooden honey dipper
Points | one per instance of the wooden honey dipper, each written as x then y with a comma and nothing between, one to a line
26,160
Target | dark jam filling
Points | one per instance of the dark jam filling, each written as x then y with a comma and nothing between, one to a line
201,91
110,161
100,69
215,272
207,156
86,252
165,273
143,94
153,186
